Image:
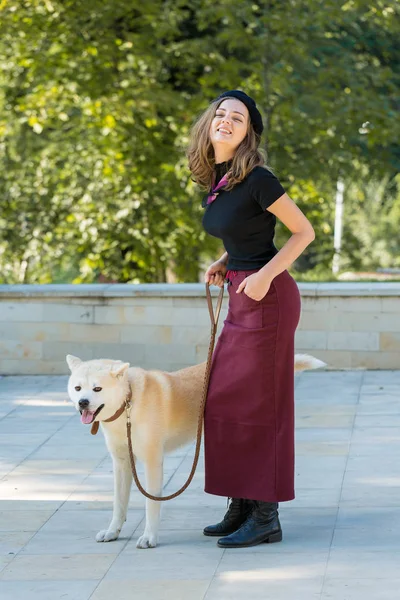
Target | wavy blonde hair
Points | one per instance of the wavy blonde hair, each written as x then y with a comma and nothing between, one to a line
201,157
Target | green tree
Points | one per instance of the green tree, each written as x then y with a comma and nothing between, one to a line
96,102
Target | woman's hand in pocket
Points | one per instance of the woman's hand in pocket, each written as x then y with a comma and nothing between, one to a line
255,286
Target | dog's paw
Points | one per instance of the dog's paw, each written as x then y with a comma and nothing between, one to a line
147,541
106,535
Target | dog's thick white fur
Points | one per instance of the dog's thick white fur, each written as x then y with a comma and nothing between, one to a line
164,415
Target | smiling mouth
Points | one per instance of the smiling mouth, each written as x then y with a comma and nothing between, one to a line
88,416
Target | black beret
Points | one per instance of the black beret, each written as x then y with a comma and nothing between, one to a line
255,116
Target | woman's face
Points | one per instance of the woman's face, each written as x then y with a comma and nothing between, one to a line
229,125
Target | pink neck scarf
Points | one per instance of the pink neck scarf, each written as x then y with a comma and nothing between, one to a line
214,191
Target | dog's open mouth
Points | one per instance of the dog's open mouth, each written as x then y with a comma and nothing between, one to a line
88,416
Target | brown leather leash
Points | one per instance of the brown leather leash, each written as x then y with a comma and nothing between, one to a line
214,323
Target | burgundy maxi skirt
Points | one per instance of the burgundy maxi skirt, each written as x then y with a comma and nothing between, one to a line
249,415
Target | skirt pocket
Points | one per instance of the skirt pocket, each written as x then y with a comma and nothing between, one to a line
246,313
243,310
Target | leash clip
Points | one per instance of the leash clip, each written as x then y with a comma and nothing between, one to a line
128,405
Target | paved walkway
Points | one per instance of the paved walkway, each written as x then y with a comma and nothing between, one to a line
341,534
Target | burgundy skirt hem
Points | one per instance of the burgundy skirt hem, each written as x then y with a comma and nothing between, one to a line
238,493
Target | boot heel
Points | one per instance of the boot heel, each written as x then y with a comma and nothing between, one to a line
275,537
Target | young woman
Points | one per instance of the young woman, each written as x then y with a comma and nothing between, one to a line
249,418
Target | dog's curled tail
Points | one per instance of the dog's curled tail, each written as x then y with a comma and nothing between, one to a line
306,361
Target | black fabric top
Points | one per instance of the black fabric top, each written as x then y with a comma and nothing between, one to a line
239,217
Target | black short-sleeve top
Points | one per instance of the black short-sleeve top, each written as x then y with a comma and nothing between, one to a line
240,219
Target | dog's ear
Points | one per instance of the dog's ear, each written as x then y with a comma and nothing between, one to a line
73,361
119,370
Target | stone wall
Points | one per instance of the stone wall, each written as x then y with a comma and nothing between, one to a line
167,326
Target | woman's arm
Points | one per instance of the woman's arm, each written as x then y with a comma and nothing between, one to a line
302,235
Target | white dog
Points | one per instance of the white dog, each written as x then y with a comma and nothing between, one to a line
164,415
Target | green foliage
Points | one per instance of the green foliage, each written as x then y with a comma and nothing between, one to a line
96,102
372,224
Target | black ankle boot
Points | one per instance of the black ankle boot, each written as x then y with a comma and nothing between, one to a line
261,526
237,514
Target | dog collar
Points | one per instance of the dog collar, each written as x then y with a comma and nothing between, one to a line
96,424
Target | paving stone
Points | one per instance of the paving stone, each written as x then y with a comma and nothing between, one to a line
358,564
341,534
66,567
23,520
261,589
154,590
276,567
361,589
47,590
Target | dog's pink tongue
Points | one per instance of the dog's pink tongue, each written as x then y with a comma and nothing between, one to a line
87,416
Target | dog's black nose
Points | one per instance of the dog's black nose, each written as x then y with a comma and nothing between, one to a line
83,403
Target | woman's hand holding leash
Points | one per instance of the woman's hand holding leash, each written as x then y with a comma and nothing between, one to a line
215,274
